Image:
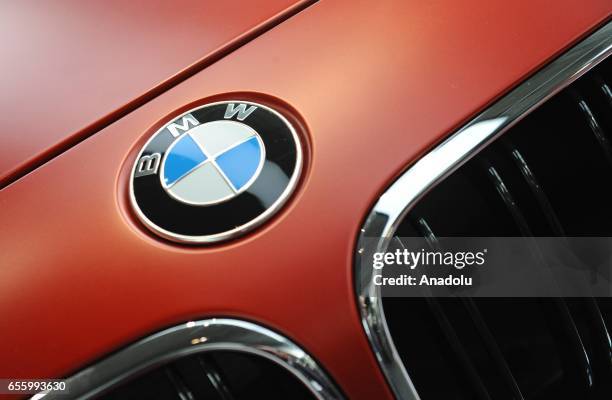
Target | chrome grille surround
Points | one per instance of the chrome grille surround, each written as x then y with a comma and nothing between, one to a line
188,338
395,203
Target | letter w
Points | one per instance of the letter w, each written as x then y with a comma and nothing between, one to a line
241,110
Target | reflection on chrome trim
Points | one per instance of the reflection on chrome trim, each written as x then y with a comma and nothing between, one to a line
196,337
410,187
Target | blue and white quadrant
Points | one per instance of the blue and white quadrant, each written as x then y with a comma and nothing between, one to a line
212,162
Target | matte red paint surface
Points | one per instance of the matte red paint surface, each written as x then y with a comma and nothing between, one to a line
377,83
67,65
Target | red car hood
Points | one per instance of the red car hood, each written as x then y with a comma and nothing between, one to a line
375,84
60,68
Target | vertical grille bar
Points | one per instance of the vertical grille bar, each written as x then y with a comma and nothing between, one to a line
458,348
215,377
607,93
603,343
595,127
577,352
493,348
538,192
181,389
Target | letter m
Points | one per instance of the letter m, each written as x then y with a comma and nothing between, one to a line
182,125
241,110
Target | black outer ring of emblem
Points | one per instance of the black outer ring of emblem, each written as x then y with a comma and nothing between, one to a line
186,223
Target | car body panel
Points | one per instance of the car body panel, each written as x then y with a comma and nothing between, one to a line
70,67
373,85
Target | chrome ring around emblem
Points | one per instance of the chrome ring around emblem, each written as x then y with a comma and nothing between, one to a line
215,172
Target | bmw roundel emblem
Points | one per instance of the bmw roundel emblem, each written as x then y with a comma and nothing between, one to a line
215,172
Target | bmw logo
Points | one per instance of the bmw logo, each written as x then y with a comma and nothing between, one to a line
215,172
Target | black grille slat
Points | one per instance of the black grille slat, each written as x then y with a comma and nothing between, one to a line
590,323
603,340
509,201
458,348
493,348
214,376
571,346
425,231
607,92
596,128
538,192
182,390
